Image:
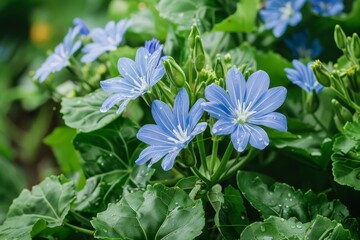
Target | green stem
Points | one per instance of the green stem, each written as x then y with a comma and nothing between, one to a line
202,177
191,65
224,161
214,153
80,229
317,120
80,218
202,153
233,169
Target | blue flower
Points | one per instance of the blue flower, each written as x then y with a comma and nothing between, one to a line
301,47
60,57
152,45
173,130
137,78
84,30
327,7
280,13
303,76
244,106
104,40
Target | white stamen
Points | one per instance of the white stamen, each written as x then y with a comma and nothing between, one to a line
180,134
287,11
242,112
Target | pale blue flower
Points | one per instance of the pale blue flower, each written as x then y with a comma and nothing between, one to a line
303,76
84,29
173,130
244,106
327,7
60,57
104,40
278,14
152,45
137,78
302,47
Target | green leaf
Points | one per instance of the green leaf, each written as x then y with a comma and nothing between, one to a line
277,228
83,113
157,213
243,55
108,148
61,142
230,217
12,182
46,206
243,20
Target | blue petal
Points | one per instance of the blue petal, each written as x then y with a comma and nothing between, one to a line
122,106
199,128
235,85
224,126
272,120
195,113
279,29
181,108
256,86
98,35
150,152
258,137
153,135
295,19
141,60
111,101
217,110
215,93
163,116
240,138
127,68
168,162
270,101
116,85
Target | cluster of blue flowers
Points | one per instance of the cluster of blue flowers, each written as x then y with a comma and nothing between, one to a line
278,14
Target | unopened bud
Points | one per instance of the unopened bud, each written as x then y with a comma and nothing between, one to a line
174,72
340,37
227,59
311,102
355,45
199,54
353,75
342,114
323,76
193,34
219,68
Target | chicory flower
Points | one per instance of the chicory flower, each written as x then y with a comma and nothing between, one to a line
173,130
84,29
244,106
327,7
152,45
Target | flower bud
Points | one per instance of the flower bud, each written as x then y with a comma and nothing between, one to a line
219,68
193,34
322,75
227,59
199,54
174,72
342,114
340,37
353,76
355,45
311,102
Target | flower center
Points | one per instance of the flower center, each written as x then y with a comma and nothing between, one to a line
180,134
287,11
242,112
140,85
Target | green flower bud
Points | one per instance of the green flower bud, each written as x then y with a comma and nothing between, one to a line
219,68
355,45
311,102
193,34
340,37
174,72
199,54
322,75
342,114
353,76
227,59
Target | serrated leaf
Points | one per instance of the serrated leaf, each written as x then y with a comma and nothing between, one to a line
157,213
243,20
46,206
243,55
346,170
83,113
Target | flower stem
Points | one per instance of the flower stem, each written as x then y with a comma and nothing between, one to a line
80,229
202,153
214,153
317,120
202,177
224,161
233,169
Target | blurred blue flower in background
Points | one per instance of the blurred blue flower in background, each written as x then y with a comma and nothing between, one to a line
278,14
303,76
137,78
244,106
152,45
173,130
327,7
60,57
107,39
84,30
302,47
